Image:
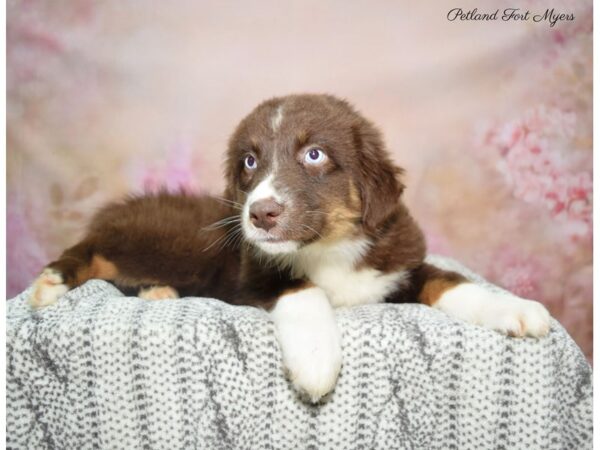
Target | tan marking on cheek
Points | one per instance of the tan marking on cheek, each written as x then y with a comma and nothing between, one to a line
342,215
354,198
341,222
433,290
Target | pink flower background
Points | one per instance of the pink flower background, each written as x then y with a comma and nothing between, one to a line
492,120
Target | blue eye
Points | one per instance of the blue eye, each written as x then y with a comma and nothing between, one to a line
250,162
315,156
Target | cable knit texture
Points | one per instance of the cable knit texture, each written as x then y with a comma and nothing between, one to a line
101,370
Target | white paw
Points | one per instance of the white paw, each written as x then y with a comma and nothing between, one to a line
502,312
312,360
309,340
47,288
158,293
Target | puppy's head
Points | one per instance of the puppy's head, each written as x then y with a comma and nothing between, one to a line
308,168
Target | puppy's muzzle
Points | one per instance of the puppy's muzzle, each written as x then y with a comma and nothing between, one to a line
265,213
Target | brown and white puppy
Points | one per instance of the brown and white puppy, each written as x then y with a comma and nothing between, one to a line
311,220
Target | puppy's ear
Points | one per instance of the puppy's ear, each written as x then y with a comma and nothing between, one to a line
378,177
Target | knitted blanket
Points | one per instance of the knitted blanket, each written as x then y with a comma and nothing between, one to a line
101,370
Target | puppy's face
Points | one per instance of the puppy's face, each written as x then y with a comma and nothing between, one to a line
308,168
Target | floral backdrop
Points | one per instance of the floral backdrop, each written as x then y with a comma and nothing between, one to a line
491,119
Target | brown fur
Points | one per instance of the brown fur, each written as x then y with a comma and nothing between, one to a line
156,240
177,240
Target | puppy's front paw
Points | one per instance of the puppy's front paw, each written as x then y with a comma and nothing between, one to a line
502,312
310,341
313,360
47,288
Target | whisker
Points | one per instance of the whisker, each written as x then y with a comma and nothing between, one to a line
220,239
232,237
239,240
223,222
312,229
235,205
214,243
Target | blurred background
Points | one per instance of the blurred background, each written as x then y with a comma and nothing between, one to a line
491,120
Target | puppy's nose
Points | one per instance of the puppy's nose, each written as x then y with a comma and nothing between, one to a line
264,213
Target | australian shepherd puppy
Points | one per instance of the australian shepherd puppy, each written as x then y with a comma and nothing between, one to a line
311,219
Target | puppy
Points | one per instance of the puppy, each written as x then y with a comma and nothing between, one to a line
311,219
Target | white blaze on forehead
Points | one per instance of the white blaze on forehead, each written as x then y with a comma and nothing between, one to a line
277,118
263,190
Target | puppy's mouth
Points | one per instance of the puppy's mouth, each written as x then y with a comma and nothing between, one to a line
280,239
275,246
270,242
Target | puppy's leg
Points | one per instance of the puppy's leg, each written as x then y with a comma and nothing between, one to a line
74,267
310,340
47,288
476,304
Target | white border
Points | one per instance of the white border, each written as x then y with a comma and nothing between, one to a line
596,204
596,252
3,246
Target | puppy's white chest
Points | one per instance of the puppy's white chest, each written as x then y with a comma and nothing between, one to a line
346,286
332,267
